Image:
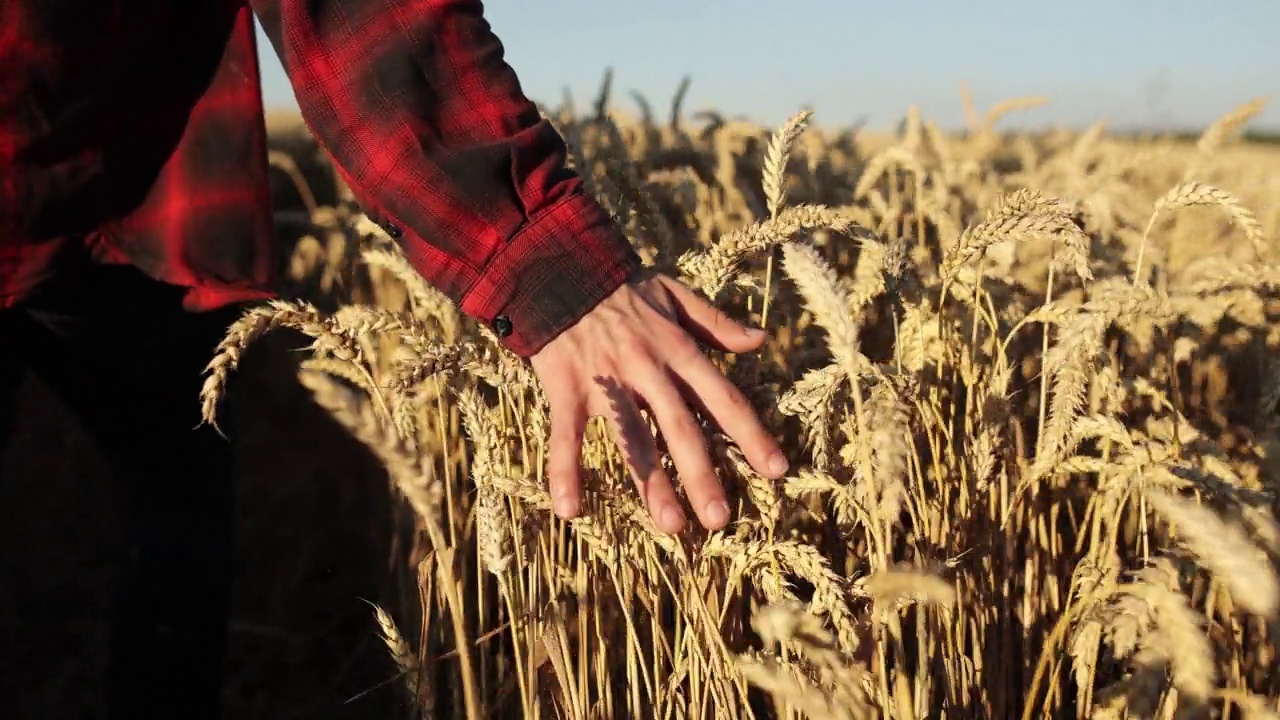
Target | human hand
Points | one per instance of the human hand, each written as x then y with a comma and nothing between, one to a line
638,348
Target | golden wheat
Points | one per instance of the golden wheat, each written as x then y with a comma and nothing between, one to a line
1030,478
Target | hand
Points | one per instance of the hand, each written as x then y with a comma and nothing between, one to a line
637,349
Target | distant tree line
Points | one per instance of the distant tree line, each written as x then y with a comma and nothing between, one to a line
1263,137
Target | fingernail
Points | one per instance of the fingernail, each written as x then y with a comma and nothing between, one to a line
672,518
565,506
778,464
717,513
755,333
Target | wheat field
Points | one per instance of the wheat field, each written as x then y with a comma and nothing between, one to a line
1027,387
1027,384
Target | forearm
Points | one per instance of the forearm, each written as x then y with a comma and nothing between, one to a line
428,124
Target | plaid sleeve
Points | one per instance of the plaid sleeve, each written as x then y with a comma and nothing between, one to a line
428,124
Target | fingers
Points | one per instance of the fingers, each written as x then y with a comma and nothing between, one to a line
708,323
730,409
719,398
688,448
568,423
639,348
641,452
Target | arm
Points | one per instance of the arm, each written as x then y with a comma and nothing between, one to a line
430,128
433,134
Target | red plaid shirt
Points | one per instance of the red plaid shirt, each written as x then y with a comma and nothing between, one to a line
133,128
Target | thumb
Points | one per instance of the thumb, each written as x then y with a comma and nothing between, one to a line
708,323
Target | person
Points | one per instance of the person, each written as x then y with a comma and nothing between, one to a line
135,225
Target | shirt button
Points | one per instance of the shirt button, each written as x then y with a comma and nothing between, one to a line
502,325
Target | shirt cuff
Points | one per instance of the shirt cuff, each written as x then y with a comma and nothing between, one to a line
557,268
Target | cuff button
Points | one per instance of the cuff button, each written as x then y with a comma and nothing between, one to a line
502,325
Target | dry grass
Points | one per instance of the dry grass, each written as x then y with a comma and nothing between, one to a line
1026,384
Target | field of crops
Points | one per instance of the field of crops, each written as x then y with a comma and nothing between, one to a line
1028,388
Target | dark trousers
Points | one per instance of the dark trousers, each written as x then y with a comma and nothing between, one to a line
126,360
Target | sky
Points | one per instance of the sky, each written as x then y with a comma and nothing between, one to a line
1136,63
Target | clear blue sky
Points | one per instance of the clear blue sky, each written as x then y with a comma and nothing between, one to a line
1135,62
